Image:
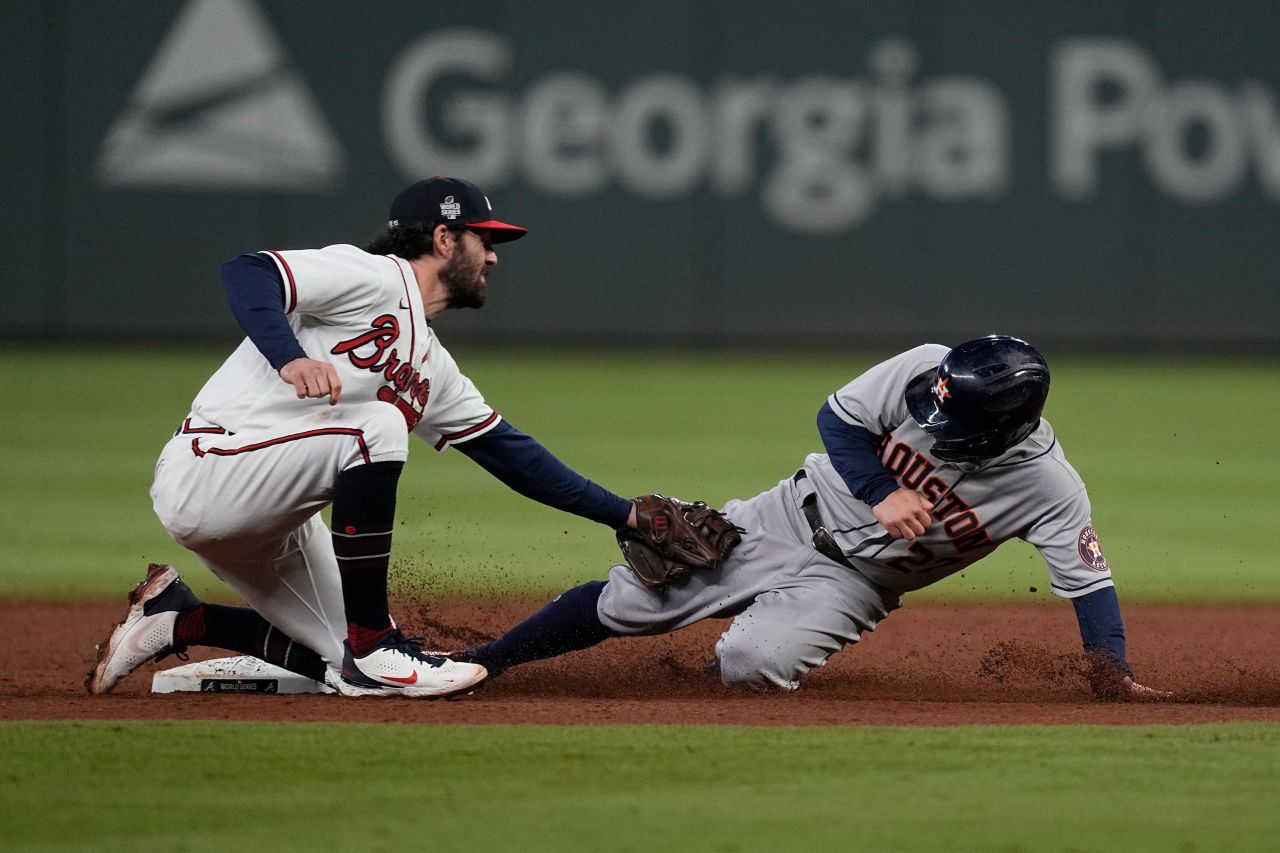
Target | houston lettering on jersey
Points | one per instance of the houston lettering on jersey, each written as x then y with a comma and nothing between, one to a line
913,470
373,351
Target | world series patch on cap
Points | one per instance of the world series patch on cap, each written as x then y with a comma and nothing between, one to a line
449,201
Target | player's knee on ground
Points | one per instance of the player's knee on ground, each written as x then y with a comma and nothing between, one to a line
743,662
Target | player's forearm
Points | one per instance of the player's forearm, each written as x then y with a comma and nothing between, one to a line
255,293
529,468
852,451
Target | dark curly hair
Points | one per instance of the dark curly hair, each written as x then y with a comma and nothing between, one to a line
407,241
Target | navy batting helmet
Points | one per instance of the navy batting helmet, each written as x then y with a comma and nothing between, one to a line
985,397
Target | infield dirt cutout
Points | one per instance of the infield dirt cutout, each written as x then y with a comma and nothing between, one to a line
928,664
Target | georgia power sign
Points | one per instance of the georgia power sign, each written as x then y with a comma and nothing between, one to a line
220,106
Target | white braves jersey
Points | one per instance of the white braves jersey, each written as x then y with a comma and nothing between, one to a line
1030,492
363,314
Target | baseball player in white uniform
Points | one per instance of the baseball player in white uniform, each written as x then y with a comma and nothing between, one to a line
315,407
933,459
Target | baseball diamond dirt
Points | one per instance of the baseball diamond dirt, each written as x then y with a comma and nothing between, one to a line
929,664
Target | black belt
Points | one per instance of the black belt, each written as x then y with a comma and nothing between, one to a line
823,542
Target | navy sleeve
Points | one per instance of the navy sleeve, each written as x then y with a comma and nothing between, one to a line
1101,627
530,469
256,293
853,454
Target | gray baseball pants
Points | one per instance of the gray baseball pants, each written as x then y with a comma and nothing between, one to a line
792,607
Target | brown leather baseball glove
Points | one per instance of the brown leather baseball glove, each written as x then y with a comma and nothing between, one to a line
673,538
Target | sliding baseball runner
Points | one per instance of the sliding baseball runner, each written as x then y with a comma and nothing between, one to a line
932,459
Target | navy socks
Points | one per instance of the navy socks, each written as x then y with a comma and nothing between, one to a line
243,630
364,511
568,623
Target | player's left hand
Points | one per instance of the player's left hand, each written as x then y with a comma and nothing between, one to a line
311,378
1111,680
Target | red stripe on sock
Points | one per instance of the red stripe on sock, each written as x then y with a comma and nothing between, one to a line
189,628
363,639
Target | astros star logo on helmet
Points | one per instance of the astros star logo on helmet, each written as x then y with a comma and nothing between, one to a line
940,389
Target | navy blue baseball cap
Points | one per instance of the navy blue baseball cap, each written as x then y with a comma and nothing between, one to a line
451,201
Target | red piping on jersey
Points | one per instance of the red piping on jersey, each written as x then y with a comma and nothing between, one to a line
471,430
293,285
358,434
188,429
413,326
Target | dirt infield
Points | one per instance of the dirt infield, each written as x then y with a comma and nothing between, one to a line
927,665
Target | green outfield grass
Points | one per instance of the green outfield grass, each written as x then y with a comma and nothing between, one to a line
1182,465
280,787
1185,481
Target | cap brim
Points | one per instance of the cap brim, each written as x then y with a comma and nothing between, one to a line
499,232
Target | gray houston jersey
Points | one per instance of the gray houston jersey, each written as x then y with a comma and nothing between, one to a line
1030,492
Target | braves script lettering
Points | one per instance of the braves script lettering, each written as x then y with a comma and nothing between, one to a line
375,352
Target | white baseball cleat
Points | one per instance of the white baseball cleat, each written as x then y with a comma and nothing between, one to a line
146,632
398,666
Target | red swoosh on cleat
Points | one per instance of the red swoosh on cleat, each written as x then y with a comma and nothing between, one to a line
411,679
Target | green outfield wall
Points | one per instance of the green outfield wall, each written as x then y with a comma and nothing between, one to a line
1093,173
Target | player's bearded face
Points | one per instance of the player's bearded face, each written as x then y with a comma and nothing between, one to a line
465,274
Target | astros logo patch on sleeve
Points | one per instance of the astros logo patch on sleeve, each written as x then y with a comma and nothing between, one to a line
1091,549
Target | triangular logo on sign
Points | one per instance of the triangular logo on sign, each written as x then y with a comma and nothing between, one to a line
219,108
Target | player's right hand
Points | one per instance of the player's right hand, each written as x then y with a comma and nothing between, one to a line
904,514
311,378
